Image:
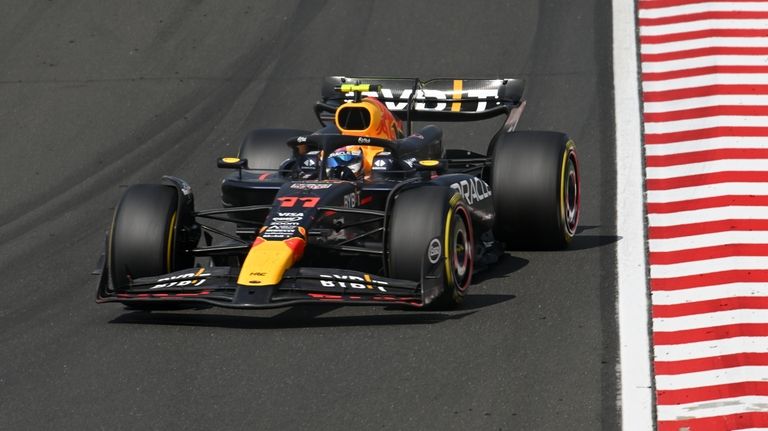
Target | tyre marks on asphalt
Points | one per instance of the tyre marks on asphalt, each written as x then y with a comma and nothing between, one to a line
705,93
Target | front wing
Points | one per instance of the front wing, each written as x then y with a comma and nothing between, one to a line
218,286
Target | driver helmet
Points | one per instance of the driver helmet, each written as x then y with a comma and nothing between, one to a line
345,164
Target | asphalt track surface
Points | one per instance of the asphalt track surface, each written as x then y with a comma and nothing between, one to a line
97,95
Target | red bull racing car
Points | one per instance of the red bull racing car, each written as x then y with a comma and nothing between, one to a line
364,210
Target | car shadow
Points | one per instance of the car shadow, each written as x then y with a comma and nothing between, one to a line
586,242
506,265
303,316
579,242
583,228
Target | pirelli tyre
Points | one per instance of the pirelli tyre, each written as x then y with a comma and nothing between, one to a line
144,240
266,148
429,224
536,189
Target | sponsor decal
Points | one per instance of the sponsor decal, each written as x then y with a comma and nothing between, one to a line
363,140
283,225
410,161
379,163
352,282
311,186
310,162
352,200
438,98
434,251
301,139
273,230
474,190
182,280
276,232
286,220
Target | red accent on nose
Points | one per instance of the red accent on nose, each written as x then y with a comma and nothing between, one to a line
297,245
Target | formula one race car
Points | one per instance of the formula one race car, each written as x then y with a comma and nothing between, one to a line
362,211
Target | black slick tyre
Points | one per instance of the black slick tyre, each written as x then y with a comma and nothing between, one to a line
142,239
266,148
424,220
536,189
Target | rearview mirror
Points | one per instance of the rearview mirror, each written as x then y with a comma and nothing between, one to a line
231,163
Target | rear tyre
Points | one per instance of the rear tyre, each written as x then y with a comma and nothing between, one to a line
266,148
425,220
536,189
143,240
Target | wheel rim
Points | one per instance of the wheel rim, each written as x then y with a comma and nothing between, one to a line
460,251
572,196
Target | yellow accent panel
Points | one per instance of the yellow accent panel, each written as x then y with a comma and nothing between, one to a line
346,88
429,162
230,159
265,264
458,87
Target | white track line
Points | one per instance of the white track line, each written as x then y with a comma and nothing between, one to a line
706,349
708,320
708,60
706,409
635,380
709,265
721,376
705,24
706,144
708,240
704,42
708,214
701,7
720,291
711,190
706,122
706,101
707,167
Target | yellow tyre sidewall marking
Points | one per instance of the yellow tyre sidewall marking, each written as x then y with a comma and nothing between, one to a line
448,263
170,241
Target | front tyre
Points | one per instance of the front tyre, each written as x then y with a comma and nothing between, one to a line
143,240
426,220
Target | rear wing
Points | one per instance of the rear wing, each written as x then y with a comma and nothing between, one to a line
412,99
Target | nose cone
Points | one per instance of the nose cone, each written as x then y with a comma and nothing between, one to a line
267,261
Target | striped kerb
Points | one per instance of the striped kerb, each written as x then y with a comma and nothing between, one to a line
704,72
